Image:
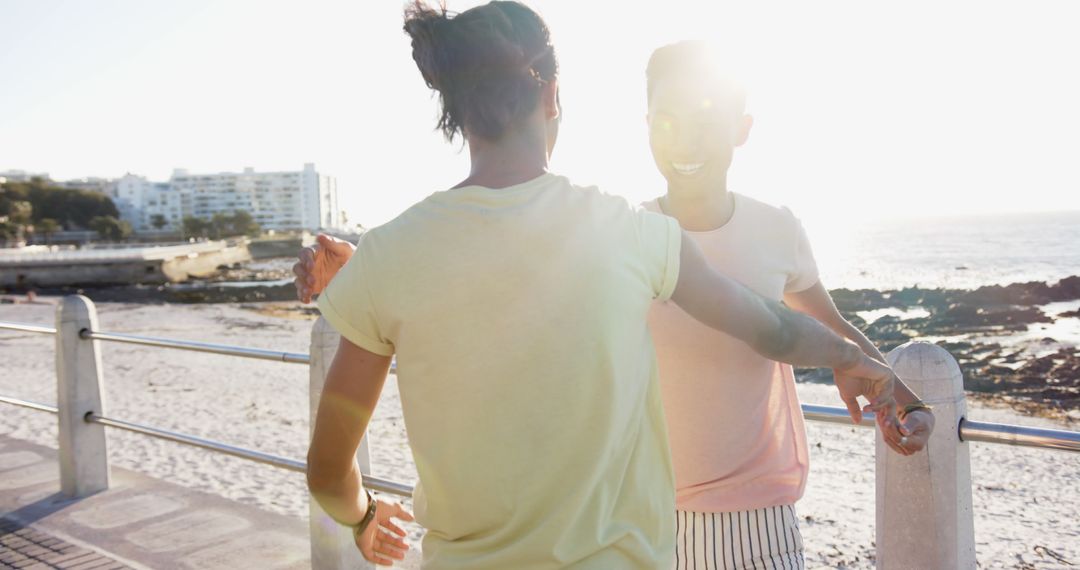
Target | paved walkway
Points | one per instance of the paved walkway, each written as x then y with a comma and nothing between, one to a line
138,523
24,548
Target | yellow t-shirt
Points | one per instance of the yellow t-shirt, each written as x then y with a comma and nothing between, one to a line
527,374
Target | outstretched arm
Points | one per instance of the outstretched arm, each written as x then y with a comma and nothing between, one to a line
917,425
776,332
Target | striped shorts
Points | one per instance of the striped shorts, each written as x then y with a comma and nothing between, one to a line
763,538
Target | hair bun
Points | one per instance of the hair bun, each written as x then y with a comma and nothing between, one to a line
487,63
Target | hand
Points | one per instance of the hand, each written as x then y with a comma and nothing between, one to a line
381,542
913,433
873,381
318,264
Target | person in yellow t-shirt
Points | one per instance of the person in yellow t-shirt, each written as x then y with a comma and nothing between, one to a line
516,304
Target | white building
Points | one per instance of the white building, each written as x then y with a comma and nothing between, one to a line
141,201
21,176
91,184
295,200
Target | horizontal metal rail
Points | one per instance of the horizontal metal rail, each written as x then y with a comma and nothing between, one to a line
26,327
28,404
985,432
257,353
1005,434
373,483
1019,435
834,415
226,349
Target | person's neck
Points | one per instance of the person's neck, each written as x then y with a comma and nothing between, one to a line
700,211
517,157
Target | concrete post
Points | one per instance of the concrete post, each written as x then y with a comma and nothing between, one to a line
332,546
84,463
924,514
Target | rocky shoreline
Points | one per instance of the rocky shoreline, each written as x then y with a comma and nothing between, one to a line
992,331
989,331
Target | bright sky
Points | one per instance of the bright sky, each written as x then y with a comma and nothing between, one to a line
862,110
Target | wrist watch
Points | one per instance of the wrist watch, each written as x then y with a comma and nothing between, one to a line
916,405
369,516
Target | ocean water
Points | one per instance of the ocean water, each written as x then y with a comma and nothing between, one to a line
955,253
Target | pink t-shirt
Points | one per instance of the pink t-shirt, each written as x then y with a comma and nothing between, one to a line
738,441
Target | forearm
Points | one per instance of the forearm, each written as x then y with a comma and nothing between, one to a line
349,396
769,327
801,340
901,392
341,495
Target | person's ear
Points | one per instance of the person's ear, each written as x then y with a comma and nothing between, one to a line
549,95
746,122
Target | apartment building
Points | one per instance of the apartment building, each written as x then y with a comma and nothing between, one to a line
141,201
291,200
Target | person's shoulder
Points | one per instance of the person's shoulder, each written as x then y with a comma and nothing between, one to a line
591,195
389,234
652,205
765,213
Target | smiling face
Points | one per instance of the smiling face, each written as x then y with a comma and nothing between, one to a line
694,127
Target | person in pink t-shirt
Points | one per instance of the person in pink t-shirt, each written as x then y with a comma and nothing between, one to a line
739,447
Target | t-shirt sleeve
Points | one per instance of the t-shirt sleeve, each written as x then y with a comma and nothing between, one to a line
805,272
348,305
661,241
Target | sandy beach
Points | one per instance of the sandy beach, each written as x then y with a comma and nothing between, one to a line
1025,500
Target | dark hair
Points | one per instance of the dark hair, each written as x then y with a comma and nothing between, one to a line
488,63
691,59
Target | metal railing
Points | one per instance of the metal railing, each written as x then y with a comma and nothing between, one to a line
243,352
79,370
970,431
370,482
374,483
1005,434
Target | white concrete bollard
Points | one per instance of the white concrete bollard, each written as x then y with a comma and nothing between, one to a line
332,546
84,464
924,513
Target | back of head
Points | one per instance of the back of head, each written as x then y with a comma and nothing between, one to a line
487,63
694,60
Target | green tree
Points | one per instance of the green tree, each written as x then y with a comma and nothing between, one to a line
238,223
20,212
10,231
110,228
47,227
73,208
158,221
195,227
218,224
241,223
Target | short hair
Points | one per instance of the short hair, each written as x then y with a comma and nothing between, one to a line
692,59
